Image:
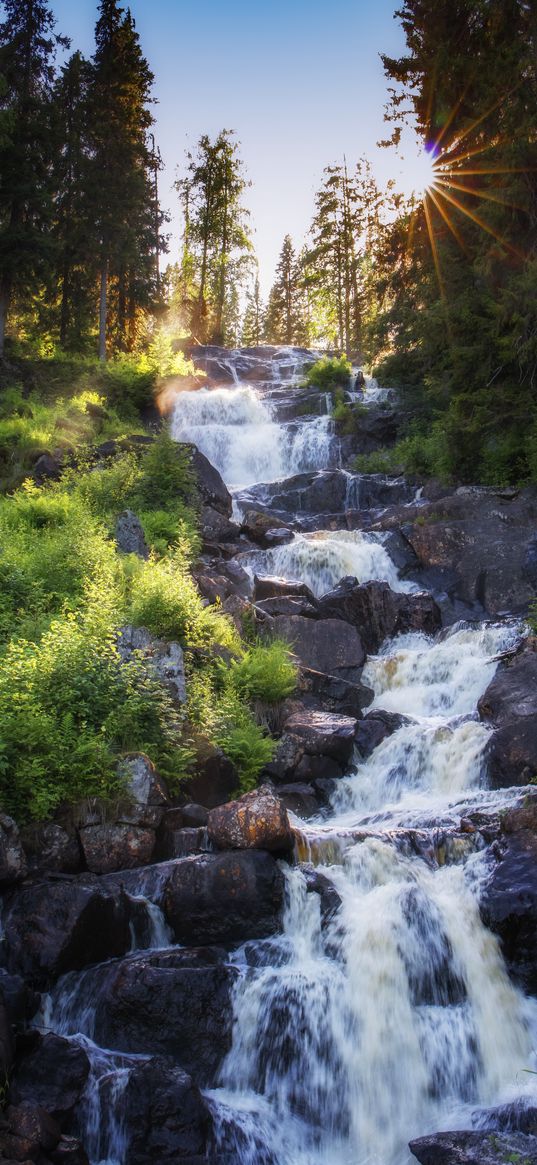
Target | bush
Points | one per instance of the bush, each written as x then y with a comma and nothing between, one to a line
165,599
329,372
265,673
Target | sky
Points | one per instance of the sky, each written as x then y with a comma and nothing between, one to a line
300,82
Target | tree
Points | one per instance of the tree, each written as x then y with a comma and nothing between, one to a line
121,192
217,249
460,311
254,317
27,48
332,258
285,320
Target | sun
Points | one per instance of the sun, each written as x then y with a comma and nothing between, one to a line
418,172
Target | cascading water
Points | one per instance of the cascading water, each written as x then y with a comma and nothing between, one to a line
394,1016
323,558
236,430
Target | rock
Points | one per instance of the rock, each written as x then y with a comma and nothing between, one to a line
224,898
47,468
146,793
69,1151
257,820
180,842
215,781
13,865
327,645
116,847
173,1003
487,539
213,491
299,799
166,1118
54,927
378,613
509,898
217,527
7,1042
269,587
324,734
265,530
97,411
19,1001
165,660
475,1148
286,605
52,1076
376,727
194,815
130,537
50,847
34,1125
510,705
334,694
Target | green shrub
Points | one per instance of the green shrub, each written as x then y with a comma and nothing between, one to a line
128,384
265,673
165,599
166,475
329,372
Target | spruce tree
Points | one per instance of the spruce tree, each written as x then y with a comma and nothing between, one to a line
285,320
27,47
253,318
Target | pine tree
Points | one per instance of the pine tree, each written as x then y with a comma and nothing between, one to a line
285,316
121,191
27,47
254,317
217,250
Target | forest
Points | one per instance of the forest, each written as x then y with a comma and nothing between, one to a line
436,293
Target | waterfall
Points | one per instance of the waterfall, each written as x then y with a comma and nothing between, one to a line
323,558
235,429
396,1016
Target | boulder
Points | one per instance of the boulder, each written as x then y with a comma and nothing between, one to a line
146,793
50,847
324,733
217,527
300,799
378,613
13,864
257,820
48,467
166,1117
475,1148
376,727
291,763
224,898
216,779
509,897
213,491
285,605
269,587
173,1003
130,537
332,693
69,1151
112,847
52,1075
510,706
30,1132
328,645
265,530
53,927
7,1042
165,660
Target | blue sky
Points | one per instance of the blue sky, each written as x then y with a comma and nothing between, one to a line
301,84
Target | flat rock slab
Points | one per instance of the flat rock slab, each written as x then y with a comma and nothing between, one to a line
328,645
472,1148
324,733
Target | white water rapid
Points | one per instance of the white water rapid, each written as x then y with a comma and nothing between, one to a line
324,557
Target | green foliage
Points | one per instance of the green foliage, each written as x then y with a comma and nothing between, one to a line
165,599
265,672
249,748
347,414
330,372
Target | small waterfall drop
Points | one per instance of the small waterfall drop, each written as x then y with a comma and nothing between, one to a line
323,558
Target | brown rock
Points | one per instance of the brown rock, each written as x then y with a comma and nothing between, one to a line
258,820
108,848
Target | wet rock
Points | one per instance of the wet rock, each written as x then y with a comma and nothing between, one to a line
53,927
52,1075
376,727
32,1125
510,705
265,530
213,491
180,842
215,781
269,587
217,527
324,734
116,847
7,1041
334,694
299,799
166,1117
318,883
378,613
324,492
19,1001
224,898
194,815
48,846
146,793
69,1151
13,865
286,605
130,537
475,1148
327,645
315,768
509,898
165,660
174,1003
373,491
257,820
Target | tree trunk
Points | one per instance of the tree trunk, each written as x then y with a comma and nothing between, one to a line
5,296
103,312
64,310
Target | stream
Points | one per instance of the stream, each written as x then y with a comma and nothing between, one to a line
383,1011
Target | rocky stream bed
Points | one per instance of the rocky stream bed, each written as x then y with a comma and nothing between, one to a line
344,961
